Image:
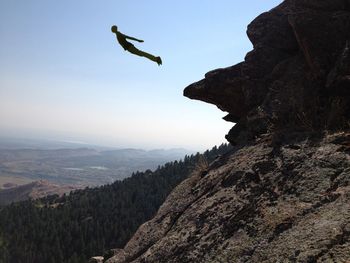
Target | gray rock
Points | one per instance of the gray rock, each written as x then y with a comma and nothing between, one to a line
268,202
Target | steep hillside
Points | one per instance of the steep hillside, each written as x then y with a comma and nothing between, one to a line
283,193
267,202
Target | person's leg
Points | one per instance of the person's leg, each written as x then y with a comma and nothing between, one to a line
141,53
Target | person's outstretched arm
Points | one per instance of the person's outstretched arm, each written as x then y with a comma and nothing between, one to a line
132,38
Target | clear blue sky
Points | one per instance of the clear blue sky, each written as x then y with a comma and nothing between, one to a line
63,76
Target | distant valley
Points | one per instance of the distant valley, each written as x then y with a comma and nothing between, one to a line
78,167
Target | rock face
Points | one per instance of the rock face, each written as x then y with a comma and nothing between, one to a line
266,202
298,74
283,193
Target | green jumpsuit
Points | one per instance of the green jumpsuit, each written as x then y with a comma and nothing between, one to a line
122,39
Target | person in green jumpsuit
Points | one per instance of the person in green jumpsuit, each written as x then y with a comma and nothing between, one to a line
122,39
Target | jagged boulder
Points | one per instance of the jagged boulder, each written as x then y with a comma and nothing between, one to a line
222,87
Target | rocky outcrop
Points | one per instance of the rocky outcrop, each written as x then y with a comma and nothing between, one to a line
281,199
297,75
283,193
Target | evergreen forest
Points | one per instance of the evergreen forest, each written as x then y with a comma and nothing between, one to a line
72,228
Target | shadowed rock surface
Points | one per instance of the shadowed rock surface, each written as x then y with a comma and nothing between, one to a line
283,193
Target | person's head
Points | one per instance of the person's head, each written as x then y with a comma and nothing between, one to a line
114,29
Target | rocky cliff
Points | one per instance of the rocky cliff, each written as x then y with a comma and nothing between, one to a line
297,75
283,193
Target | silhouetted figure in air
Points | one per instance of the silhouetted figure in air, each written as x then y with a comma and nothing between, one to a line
131,48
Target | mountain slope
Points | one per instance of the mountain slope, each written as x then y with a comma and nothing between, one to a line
32,190
264,203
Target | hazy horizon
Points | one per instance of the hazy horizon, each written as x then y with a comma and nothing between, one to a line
64,77
58,142
101,141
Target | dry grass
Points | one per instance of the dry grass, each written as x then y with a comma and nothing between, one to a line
202,164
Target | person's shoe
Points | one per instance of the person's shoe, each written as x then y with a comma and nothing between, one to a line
159,61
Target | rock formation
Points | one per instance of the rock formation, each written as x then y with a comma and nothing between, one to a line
298,74
283,193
